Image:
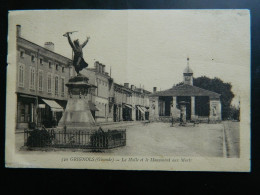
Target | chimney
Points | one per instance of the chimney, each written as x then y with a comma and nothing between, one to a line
126,85
132,87
49,46
154,89
100,67
103,68
96,65
18,30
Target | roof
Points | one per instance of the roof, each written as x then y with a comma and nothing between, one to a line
186,90
129,90
121,87
43,48
188,70
140,90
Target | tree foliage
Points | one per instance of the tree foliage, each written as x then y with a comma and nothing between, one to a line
218,86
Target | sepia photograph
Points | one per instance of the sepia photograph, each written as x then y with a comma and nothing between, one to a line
129,90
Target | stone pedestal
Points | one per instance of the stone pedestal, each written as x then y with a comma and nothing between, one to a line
183,118
215,110
183,113
154,109
77,113
175,112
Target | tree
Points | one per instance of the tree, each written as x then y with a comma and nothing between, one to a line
218,86
235,113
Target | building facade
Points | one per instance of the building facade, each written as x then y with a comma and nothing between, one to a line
131,103
123,103
200,104
142,103
40,87
101,97
42,94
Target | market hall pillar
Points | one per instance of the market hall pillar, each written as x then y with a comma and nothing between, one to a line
193,116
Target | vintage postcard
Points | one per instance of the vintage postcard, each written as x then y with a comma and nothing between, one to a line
129,90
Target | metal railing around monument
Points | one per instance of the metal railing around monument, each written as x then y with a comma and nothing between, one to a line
77,139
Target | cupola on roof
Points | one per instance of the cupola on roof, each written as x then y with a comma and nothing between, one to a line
188,70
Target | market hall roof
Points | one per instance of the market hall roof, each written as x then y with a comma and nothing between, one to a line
186,90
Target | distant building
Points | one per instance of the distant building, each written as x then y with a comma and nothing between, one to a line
141,103
200,103
123,104
40,87
131,103
101,98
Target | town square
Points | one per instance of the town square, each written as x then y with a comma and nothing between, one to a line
130,84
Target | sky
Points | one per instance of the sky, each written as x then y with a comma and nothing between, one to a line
149,48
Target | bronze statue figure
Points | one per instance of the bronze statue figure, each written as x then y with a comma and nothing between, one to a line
78,61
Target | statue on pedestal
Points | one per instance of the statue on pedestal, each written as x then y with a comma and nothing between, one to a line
77,113
183,119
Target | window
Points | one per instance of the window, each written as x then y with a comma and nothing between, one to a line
41,61
21,75
56,85
49,64
40,80
63,69
33,58
57,67
62,86
49,83
21,54
32,78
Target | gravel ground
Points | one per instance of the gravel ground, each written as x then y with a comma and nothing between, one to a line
160,139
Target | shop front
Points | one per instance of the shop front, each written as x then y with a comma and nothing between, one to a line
140,113
49,113
26,111
127,112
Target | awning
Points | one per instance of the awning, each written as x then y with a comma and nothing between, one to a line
139,108
99,109
54,105
92,106
144,109
27,96
129,106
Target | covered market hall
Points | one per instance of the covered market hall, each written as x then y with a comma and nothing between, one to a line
200,104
